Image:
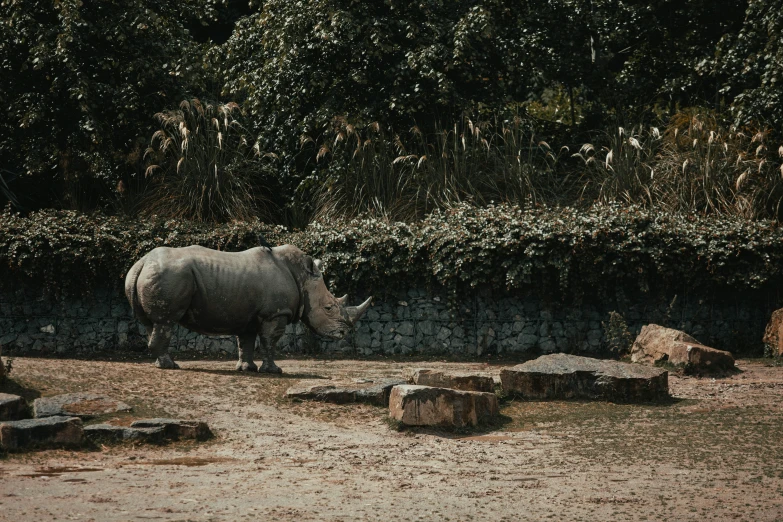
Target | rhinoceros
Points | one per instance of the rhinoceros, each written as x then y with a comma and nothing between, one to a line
255,292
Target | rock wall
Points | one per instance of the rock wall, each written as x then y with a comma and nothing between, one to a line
412,323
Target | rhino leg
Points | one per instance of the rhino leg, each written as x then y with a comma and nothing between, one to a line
245,345
159,346
271,332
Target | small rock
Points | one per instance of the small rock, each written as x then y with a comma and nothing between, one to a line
109,432
456,381
656,343
561,376
176,428
84,405
376,393
773,335
49,329
12,407
415,405
33,433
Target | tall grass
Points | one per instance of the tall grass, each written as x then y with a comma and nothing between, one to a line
694,165
714,169
203,166
622,168
374,170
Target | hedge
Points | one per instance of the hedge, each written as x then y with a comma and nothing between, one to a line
553,253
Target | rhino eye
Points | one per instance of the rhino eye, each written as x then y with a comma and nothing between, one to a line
328,307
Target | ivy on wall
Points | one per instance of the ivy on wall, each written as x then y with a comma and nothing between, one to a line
553,253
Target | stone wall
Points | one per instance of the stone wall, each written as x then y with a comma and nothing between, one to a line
412,323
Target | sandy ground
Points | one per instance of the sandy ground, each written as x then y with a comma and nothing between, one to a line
715,452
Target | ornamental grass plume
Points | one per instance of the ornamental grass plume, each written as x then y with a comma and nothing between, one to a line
202,166
375,170
694,165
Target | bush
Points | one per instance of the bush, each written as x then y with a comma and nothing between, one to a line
562,254
619,339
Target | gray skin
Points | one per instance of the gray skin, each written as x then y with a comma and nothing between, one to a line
252,293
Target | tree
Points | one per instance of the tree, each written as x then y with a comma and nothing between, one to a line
749,64
658,63
296,65
80,83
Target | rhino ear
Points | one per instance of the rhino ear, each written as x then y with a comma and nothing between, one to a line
343,300
356,312
313,267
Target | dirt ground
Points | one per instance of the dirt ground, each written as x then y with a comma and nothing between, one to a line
715,452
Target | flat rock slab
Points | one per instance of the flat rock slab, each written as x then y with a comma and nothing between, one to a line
176,429
376,393
84,405
12,407
109,432
415,405
656,343
456,381
561,376
41,433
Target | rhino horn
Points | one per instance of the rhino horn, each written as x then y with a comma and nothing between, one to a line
356,312
343,300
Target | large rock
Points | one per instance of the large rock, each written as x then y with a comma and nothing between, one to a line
456,381
12,407
177,429
111,433
84,405
415,405
561,376
41,433
659,344
376,393
698,358
654,343
773,335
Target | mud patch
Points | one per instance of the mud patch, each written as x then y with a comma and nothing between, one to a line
186,461
488,438
56,471
92,407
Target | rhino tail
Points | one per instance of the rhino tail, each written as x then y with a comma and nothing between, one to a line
131,292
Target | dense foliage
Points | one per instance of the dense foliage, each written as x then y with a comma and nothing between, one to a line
750,65
80,83
555,254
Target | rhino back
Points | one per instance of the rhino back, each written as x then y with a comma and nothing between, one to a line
217,292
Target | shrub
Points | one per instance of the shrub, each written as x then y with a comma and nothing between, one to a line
618,337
